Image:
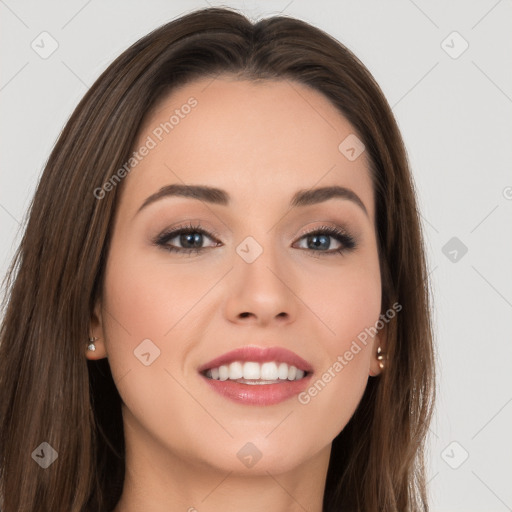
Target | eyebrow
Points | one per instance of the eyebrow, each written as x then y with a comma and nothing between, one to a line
221,197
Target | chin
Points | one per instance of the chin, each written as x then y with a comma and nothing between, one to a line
259,456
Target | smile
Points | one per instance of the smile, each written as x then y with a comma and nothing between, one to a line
251,372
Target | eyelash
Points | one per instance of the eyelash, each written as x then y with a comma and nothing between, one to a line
347,241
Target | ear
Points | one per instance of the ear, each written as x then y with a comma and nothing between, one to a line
378,361
96,330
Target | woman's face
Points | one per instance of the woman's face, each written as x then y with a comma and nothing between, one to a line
251,276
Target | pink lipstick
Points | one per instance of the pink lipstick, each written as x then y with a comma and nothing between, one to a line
257,376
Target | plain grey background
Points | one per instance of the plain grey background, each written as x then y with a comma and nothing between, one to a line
446,69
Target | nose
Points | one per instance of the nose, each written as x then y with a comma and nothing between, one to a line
262,292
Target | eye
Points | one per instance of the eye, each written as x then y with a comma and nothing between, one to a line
190,239
319,240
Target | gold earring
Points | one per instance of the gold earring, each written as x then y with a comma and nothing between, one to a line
91,346
380,357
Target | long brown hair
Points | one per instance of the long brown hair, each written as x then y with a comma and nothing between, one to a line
51,393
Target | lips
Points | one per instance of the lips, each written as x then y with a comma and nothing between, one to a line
262,391
259,355
258,395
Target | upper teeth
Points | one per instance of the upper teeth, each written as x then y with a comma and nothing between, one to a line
251,370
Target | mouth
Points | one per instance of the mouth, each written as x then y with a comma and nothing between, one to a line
254,373
257,376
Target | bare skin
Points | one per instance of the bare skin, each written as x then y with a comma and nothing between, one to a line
261,143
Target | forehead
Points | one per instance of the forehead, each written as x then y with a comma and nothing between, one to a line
255,139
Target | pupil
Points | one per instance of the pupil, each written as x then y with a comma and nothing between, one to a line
316,241
195,240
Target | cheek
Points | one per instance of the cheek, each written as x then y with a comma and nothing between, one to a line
348,306
143,301
147,310
346,301
149,299
355,306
